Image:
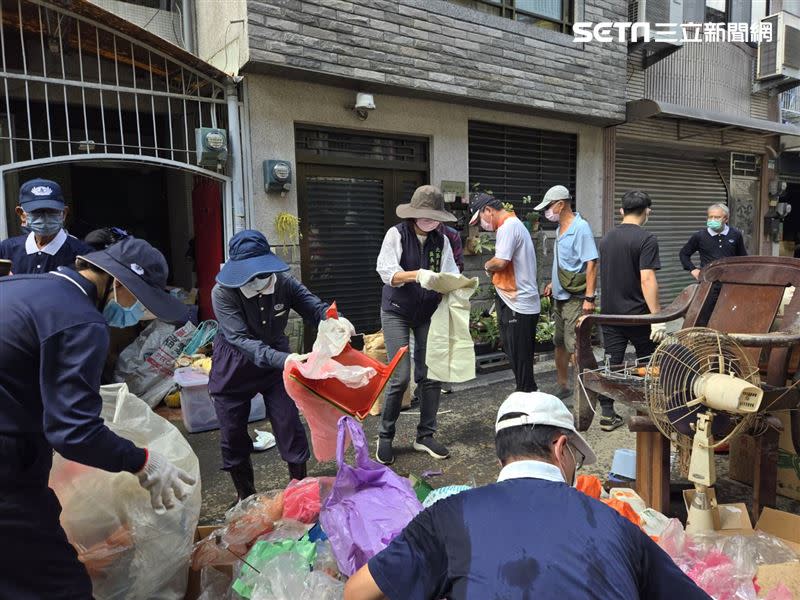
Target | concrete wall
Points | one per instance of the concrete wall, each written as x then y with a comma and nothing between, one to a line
275,105
159,22
221,41
438,47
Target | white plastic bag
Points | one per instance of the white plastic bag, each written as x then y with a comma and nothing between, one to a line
151,377
129,550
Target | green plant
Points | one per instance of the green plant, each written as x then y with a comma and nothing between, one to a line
545,329
483,243
545,307
526,199
507,206
287,226
483,327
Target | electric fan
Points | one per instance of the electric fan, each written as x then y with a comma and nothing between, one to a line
702,390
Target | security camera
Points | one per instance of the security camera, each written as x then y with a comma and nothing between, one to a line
364,104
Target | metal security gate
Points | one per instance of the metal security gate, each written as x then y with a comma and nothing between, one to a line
349,184
681,188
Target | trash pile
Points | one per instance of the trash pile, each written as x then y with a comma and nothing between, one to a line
726,566
297,543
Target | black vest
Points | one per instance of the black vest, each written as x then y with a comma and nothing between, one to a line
411,301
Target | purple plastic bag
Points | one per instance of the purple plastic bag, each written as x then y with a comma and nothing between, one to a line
368,506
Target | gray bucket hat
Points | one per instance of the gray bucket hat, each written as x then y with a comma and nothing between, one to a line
426,203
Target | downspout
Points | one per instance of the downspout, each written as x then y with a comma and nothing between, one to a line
235,153
187,24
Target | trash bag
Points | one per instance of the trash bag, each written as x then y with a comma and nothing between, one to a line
368,506
282,578
326,561
147,368
214,585
333,334
128,549
302,499
256,564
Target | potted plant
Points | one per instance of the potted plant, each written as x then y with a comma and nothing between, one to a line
484,331
287,226
545,328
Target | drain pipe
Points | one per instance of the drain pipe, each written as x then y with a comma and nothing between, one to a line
235,153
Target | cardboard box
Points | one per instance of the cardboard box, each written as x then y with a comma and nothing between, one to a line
193,590
743,457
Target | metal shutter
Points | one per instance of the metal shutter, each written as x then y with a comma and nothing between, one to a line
346,228
514,162
681,189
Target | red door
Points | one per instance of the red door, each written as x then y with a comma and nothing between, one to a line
208,239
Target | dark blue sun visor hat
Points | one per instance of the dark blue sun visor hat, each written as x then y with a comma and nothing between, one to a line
249,256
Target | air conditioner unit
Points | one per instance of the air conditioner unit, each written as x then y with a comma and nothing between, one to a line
780,57
659,11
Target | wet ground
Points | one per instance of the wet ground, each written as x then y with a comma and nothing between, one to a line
466,426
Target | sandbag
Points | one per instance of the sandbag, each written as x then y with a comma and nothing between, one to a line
129,550
368,506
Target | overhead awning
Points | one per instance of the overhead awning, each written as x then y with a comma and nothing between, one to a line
644,109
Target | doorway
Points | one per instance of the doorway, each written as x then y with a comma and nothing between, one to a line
344,215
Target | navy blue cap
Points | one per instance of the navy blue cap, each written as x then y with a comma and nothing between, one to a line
477,203
38,194
143,270
249,256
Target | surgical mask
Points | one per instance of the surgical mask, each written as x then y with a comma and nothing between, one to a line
575,472
45,223
120,316
714,225
254,286
550,215
427,225
487,225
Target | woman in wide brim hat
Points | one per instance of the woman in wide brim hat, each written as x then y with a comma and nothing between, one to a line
415,244
252,300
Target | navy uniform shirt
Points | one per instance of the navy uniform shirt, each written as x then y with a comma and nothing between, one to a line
28,258
526,538
255,326
53,345
729,242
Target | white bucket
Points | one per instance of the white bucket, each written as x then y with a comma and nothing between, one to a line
624,463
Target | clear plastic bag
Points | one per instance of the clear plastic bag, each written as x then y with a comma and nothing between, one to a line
302,499
128,549
282,578
326,561
252,517
214,585
320,586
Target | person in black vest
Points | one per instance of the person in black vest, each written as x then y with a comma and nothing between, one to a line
413,245
716,240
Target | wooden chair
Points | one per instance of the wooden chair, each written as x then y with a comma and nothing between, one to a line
750,293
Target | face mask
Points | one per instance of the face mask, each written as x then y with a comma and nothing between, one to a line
426,225
120,316
550,215
575,472
486,225
714,225
45,223
254,286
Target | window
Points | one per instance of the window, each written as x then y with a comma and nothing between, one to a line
513,162
550,14
735,11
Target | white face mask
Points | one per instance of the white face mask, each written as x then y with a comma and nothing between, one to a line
550,215
575,472
487,225
254,286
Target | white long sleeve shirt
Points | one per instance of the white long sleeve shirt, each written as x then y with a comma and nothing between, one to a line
391,250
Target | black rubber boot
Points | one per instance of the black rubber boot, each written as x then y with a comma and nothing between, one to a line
297,470
243,480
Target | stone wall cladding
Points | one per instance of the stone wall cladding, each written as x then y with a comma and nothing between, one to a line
435,46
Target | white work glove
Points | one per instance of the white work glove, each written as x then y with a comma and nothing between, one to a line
163,480
658,331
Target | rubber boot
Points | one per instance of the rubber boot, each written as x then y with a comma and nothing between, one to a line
243,480
297,470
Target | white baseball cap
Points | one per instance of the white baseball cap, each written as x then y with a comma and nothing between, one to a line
554,194
538,408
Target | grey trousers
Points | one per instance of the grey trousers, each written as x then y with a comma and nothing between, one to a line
396,334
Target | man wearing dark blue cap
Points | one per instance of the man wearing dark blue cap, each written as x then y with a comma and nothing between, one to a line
41,211
251,300
52,349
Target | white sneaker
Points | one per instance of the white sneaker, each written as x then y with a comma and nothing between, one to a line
264,441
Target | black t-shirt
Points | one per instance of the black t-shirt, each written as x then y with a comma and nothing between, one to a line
624,252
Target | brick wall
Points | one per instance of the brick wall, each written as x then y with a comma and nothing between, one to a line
437,47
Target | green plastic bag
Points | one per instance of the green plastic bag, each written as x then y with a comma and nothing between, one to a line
262,552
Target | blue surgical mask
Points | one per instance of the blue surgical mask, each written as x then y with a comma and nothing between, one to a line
714,225
45,223
120,316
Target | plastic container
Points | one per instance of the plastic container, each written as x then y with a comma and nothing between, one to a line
624,463
197,408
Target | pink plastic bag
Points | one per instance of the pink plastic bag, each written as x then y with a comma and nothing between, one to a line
302,499
368,506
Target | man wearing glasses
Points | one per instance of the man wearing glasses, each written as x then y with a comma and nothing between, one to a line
530,535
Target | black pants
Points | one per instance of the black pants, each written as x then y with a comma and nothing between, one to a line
615,340
518,336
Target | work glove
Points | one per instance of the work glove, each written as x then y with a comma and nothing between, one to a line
164,481
658,331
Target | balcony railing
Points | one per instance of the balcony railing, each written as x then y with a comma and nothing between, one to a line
790,106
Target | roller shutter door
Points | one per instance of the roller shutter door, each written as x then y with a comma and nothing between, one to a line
681,188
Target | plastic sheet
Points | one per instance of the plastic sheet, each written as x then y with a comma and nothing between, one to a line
369,504
214,551
260,562
326,561
128,549
442,493
214,585
252,517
